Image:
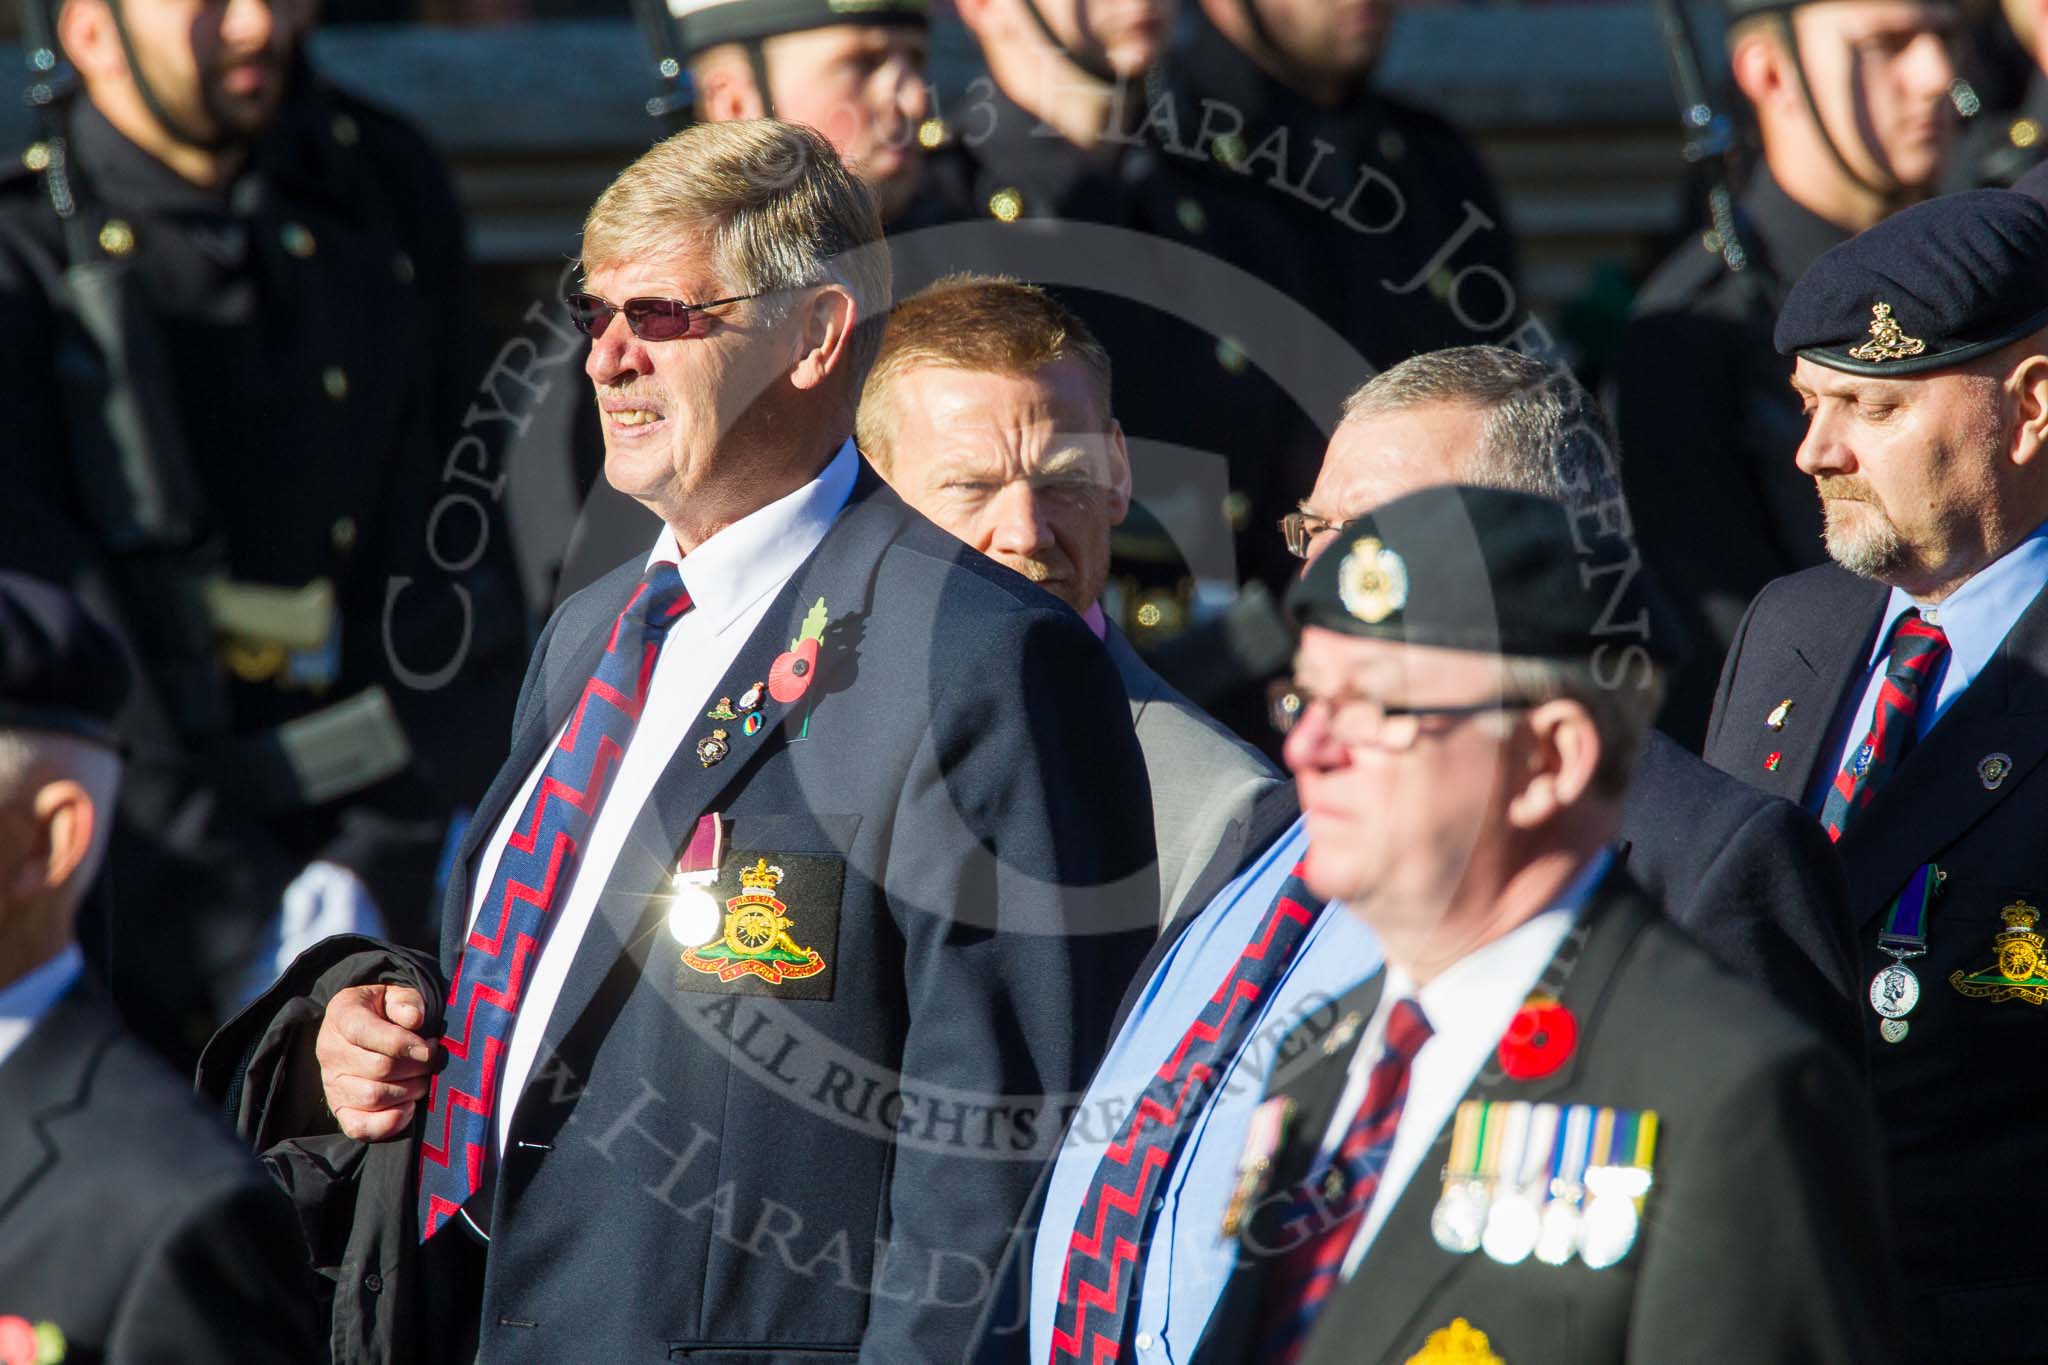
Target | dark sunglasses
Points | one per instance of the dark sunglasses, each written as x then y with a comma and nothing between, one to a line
648,319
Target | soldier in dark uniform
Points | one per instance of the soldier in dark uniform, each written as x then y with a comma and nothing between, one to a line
233,353
1404,242
1999,145
1702,400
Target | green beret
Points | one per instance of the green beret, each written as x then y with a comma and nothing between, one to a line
1743,9
1486,569
707,23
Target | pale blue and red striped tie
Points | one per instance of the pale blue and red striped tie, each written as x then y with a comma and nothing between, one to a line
1918,649
1297,1286
1094,1321
534,875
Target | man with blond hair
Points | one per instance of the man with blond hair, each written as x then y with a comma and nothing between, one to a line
797,900
988,411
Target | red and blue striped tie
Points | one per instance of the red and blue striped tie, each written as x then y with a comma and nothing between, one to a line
1298,1285
534,875
1917,652
1094,1320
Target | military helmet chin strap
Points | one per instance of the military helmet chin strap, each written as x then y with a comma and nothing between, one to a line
212,142
1256,22
757,62
1099,69
1791,36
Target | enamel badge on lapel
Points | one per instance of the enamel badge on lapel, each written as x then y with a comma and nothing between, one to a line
1459,1344
722,711
1779,715
25,1343
1993,769
1771,761
1340,1037
756,941
2021,971
1255,1162
713,748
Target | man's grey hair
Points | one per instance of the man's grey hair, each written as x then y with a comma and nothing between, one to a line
1544,433
31,759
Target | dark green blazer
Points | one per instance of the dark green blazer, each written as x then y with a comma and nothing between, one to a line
1764,1237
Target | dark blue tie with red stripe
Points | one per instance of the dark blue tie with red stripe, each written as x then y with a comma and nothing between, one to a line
1094,1320
1916,655
534,875
1331,1204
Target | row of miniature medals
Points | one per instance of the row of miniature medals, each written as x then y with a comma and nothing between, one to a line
1559,1182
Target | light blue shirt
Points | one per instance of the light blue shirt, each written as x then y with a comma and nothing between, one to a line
1188,1260
1976,618
25,1000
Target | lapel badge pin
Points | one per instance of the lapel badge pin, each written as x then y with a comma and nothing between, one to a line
1255,1163
722,711
750,700
1771,761
713,748
1459,1344
1993,769
30,1343
2021,972
1779,714
1341,1036
751,726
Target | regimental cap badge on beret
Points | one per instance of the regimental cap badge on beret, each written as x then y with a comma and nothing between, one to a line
1888,341
1372,582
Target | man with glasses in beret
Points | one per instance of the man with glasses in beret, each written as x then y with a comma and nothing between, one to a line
1897,693
1852,103
1552,1128
131,1226
1746,874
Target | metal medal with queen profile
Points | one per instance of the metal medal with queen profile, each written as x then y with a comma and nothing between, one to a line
1372,582
1894,991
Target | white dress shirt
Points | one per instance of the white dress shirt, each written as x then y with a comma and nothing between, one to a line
731,579
26,999
1469,1006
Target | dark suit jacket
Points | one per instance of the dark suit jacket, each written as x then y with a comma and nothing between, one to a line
128,1217
1752,877
740,1172
1961,1109
1764,1237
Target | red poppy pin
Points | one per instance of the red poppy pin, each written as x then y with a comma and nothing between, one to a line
790,676
1539,1039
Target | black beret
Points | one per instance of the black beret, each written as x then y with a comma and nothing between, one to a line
1931,286
1490,570
707,23
59,668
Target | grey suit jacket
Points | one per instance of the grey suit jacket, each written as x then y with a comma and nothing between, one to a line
1203,776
